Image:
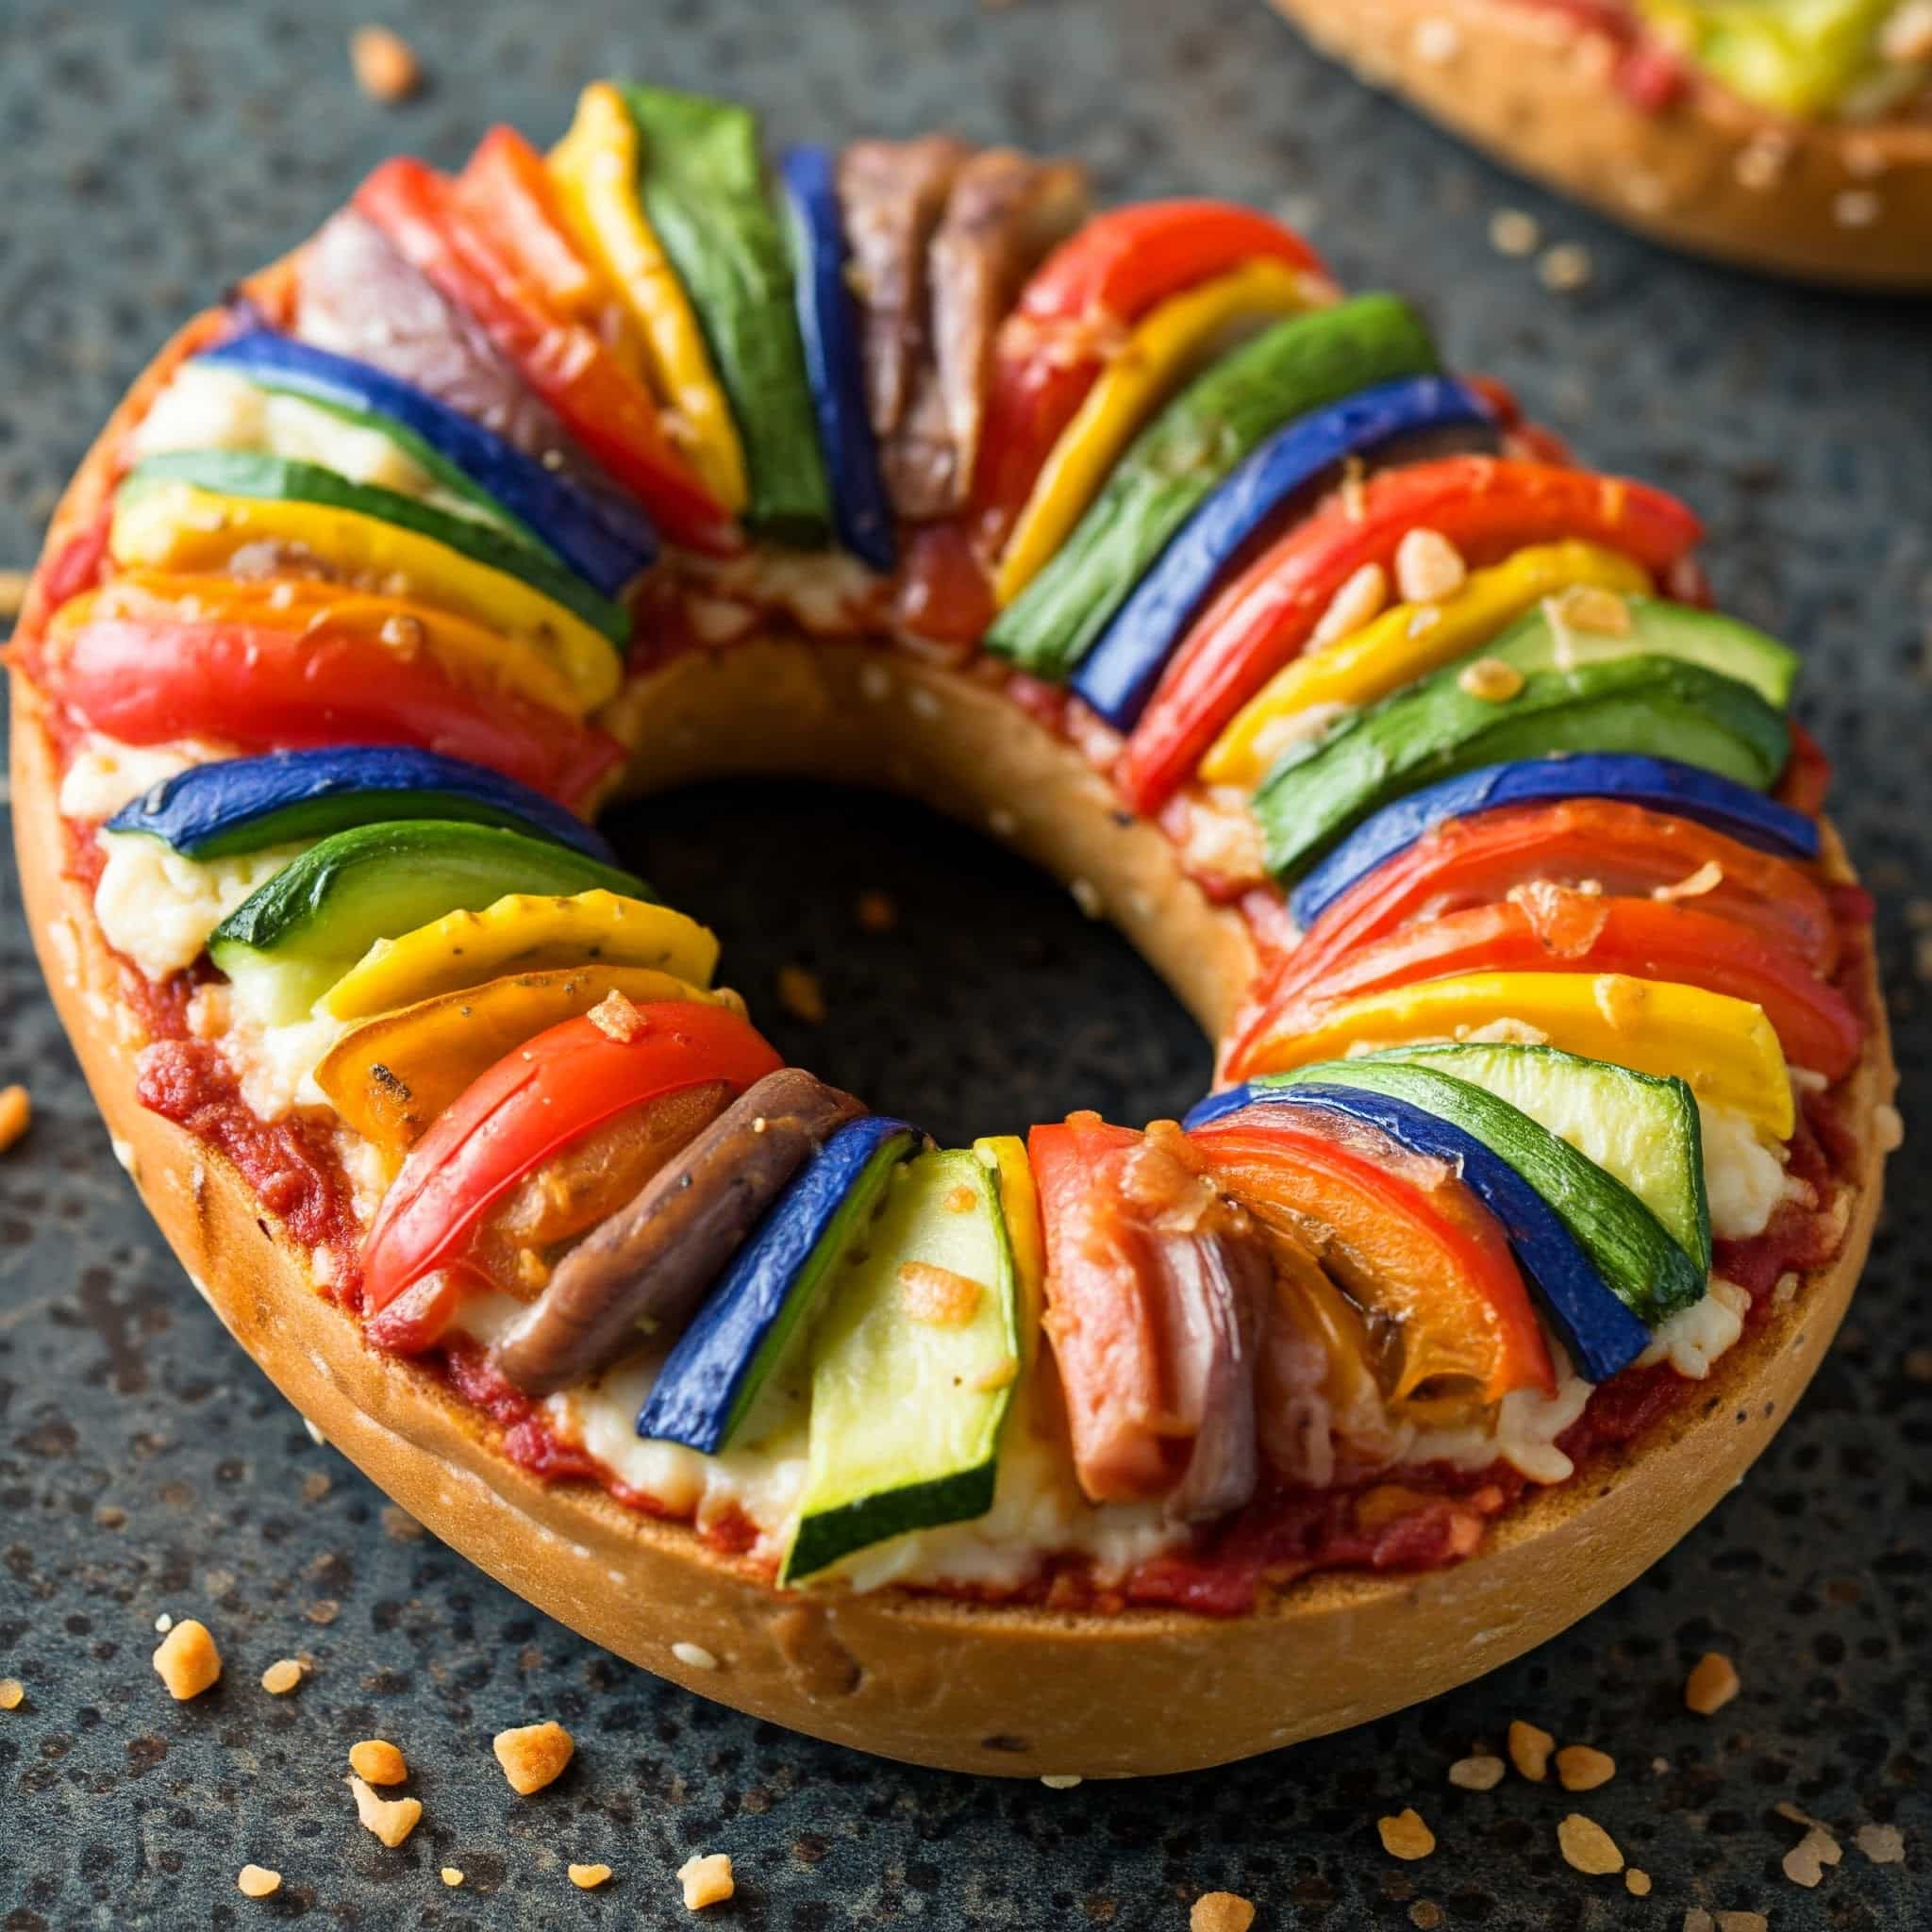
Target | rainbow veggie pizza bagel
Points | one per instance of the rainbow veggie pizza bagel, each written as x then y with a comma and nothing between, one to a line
1791,135
1553,1088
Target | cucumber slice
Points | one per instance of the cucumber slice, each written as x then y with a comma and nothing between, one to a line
1435,728
286,944
1175,463
242,473
1642,1129
713,1378
1639,1262
907,1410
1658,629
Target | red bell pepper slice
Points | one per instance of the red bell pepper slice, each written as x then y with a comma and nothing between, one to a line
607,409
537,1099
258,688
1544,928
1627,849
1053,347
1486,506
1404,1240
942,591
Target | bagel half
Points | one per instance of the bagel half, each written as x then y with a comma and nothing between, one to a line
1709,173
1000,1689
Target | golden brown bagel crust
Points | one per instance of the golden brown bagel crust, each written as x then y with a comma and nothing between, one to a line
1002,1691
1711,173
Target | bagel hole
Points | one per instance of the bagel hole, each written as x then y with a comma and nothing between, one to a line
991,1002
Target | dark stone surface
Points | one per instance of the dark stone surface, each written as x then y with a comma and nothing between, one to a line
144,1466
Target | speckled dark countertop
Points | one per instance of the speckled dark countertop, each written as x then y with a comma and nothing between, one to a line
151,152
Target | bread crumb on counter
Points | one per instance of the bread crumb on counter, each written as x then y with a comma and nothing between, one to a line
1529,1750
1220,1911
379,1760
707,1881
257,1881
14,585
800,994
188,1662
384,64
875,911
1581,1768
1587,1846
16,1114
1479,1772
1637,1882
1513,232
1061,1780
451,1875
390,1819
1404,1836
1883,1845
533,1755
13,1693
589,1878
281,1676
693,1656
1711,1685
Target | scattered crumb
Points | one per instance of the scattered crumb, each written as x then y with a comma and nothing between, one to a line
694,1657
1889,1125
1711,1685
324,1611
1659,1766
188,1660
801,995
13,1694
163,1623
1565,268
1637,1882
451,1875
1087,897
589,1878
1529,1750
316,1485
111,1516
390,1819
1489,680
1428,567
385,64
14,585
1579,1767
1805,1863
533,1755
1883,1845
1742,1921
1588,1847
875,911
16,1114
379,1760
1406,1836
617,1018
400,1526
938,1297
707,1881
257,1881
1061,1780
1482,1773
1220,1911
281,1676
1513,232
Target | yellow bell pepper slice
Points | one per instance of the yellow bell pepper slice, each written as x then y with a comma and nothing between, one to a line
1404,643
1166,348
1725,1047
523,932
1005,1155
176,526
390,1076
595,169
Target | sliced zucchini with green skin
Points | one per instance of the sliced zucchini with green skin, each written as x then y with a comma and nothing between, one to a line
1175,463
246,472
1639,1262
1435,728
701,180
912,1367
1658,629
1643,1130
287,943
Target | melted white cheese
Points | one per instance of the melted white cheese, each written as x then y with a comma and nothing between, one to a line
159,907
205,407
1521,1430
105,774
1744,1177
1693,1339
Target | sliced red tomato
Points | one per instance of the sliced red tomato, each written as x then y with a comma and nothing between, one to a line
607,409
1405,1241
943,591
1051,348
534,1101
1625,849
1486,506
260,688
1543,928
